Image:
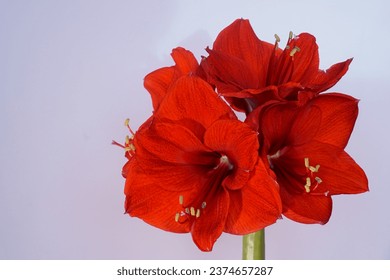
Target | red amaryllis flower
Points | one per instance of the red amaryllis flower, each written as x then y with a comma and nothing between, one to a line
196,169
305,149
249,72
158,81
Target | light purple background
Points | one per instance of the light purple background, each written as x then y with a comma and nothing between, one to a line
72,71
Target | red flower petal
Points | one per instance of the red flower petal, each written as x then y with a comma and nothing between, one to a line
307,209
328,118
306,60
222,67
274,122
324,80
256,206
159,81
209,226
144,200
339,113
173,156
239,40
348,175
305,126
191,97
186,62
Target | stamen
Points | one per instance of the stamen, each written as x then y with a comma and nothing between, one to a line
308,185
277,38
312,169
177,216
130,147
187,210
290,35
181,200
307,162
127,124
203,205
294,51
192,211
197,213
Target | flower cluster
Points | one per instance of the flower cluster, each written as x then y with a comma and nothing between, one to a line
193,166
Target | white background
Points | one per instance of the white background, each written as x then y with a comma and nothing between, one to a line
72,71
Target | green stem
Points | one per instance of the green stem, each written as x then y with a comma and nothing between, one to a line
253,246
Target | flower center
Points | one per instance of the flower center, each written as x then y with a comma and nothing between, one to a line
272,157
224,162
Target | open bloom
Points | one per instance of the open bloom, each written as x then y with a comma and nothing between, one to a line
250,72
195,168
304,147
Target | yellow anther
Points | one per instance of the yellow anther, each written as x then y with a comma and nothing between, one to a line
308,185
127,140
313,169
294,51
277,38
197,213
177,216
181,199
187,210
192,211
127,121
290,35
